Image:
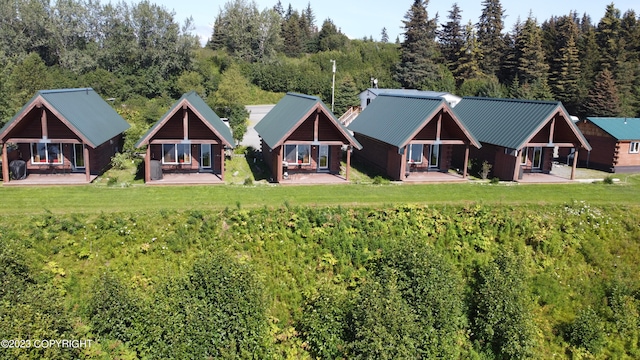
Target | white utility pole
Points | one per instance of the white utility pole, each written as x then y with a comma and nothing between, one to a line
333,84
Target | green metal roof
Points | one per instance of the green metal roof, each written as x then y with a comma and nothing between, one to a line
394,119
619,128
509,122
289,113
84,110
198,106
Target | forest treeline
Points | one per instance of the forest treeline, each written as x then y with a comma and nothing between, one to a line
140,55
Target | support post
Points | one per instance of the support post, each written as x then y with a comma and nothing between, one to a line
147,164
87,163
222,162
466,162
349,149
5,164
574,165
278,164
43,123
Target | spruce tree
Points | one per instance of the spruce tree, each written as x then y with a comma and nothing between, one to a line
346,96
417,68
490,36
451,37
531,65
467,65
291,35
603,98
608,38
565,64
384,37
589,54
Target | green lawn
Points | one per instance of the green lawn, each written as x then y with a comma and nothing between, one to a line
95,199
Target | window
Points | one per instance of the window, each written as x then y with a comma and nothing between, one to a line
78,156
176,154
634,147
415,153
297,154
42,153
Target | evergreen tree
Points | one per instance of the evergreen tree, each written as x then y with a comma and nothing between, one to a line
330,37
589,54
531,63
346,96
384,37
217,40
608,38
279,9
603,98
467,65
565,64
627,75
291,35
451,37
417,68
490,36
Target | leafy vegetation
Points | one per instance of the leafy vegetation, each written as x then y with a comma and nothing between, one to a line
446,281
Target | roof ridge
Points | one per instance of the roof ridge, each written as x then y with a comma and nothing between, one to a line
414,96
550,102
53,91
304,96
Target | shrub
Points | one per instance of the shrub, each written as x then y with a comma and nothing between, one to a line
495,180
379,180
502,321
608,180
587,331
120,161
248,181
485,169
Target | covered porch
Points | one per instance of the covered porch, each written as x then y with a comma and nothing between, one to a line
187,178
433,177
52,179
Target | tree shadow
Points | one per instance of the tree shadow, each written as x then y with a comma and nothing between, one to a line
259,168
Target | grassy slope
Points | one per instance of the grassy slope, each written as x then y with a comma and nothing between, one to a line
81,199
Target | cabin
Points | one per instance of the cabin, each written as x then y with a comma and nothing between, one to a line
615,142
411,138
186,145
302,141
519,137
69,133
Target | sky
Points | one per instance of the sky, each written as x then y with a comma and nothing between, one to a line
364,18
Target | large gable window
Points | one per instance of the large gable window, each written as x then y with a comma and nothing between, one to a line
634,147
297,154
176,154
46,153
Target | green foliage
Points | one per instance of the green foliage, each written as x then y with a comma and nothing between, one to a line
587,331
501,315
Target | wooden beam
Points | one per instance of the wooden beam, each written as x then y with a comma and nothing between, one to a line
278,164
441,142
185,122
547,145
43,123
292,142
87,163
466,162
574,165
551,130
348,161
5,163
179,141
147,165
315,126
439,126
38,140
221,162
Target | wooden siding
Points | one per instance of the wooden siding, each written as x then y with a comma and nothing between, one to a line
172,129
327,130
373,153
304,132
605,148
100,157
194,166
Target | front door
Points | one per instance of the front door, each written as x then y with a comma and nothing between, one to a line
323,157
205,156
434,156
537,159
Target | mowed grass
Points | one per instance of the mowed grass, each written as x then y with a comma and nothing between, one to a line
96,199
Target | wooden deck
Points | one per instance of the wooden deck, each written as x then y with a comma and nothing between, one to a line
51,179
188,179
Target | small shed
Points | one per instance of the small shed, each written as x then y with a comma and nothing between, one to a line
405,134
190,138
300,135
63,132
615,142
519,136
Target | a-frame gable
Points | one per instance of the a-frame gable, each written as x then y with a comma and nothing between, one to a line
181,105
558,119
39,102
